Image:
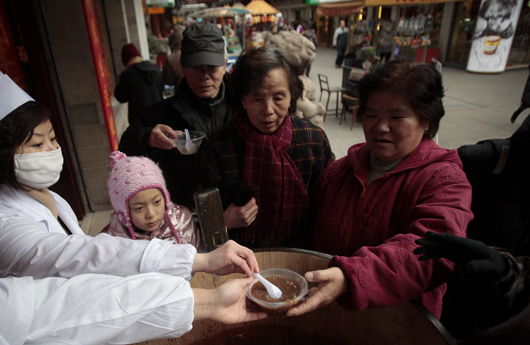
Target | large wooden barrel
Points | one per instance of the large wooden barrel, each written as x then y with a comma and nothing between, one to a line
408,323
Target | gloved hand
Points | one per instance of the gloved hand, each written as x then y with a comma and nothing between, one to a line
240,193
474,257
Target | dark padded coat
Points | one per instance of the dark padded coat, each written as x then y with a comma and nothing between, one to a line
184,110
141,85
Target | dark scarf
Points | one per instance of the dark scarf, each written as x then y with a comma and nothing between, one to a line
282,194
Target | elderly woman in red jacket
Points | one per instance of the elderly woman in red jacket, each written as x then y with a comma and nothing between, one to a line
386,193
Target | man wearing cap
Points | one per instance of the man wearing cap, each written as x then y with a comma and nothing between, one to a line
141,84
202,102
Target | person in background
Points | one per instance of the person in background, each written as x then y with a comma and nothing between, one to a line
143,208
272,32
374,203
498,172
369,62
240,35
39,232
310,34
386,43
273,151
525,99
105,309
141,83
299,27
172,71
437,64
340,41
488,296
201,103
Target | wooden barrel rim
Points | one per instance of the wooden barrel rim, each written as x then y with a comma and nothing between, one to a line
294,250
403,324
435,322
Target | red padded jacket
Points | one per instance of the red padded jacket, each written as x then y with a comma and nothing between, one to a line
372,228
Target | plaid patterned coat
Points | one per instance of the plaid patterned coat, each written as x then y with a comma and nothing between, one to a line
222,160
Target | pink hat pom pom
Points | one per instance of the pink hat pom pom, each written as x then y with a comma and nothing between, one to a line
115,157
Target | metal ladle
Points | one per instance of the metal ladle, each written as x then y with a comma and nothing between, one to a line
272,289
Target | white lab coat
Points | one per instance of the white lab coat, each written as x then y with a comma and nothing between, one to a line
33,243
94,309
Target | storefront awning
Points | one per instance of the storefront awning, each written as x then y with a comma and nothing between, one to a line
260,7
218,12
340,9
368,3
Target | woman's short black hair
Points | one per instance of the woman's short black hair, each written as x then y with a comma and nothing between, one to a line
17,128
253,66
420,84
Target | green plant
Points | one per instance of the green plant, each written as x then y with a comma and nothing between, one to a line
156,45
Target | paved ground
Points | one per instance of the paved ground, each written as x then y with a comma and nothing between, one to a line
478,106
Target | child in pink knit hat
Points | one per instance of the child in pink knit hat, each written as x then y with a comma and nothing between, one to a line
143,209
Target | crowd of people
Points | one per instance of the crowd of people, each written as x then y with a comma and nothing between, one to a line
394,212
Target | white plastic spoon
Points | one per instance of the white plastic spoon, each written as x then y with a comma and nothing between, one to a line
272,289
189,145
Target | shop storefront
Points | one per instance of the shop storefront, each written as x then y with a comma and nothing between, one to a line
413,29
418,29
295,12
328,10
422,30
259,22
258,27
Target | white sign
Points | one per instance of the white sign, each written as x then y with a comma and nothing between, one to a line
496,24
160,3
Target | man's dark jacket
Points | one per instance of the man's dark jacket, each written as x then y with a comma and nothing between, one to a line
183,110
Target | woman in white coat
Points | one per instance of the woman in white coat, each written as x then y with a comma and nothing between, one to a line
39,233
35,222
124,310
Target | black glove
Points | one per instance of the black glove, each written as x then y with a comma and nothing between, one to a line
474,257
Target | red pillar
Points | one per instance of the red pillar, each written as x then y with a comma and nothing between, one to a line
101,76
154,24
163,25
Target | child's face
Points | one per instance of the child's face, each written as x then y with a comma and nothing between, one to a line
147,209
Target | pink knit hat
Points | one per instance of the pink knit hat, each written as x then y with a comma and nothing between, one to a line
128,176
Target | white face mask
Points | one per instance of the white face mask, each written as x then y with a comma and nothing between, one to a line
39,169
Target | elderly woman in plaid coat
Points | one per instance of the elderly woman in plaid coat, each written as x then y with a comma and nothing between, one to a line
266,162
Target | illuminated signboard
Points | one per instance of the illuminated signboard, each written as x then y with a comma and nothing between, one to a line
494,31
402,2
160,3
